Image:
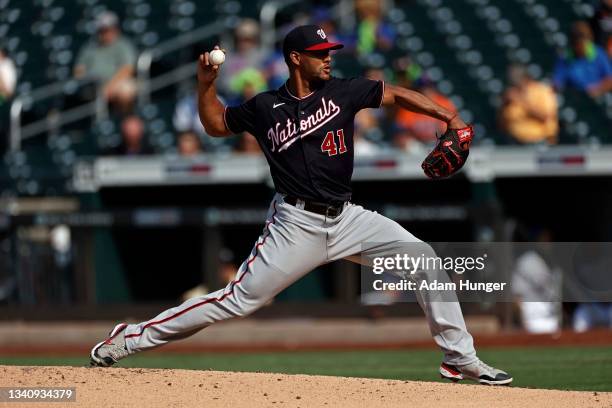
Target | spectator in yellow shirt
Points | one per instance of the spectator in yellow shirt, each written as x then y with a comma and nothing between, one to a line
529,110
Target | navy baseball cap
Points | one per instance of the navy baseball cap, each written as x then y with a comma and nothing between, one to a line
307,38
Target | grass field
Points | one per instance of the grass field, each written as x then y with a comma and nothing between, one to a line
564,368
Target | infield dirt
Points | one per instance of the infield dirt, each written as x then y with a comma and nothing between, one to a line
122,387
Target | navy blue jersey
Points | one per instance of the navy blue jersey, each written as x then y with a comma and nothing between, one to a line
308,141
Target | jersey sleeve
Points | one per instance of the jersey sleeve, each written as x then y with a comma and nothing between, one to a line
242,117
366,93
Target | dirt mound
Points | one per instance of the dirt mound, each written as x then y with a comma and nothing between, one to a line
121,387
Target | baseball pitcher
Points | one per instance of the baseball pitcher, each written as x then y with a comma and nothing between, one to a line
305,129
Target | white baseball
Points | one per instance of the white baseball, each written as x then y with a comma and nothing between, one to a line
216,57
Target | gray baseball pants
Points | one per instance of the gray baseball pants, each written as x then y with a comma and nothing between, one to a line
293,243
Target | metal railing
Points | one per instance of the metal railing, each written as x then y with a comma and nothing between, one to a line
51,121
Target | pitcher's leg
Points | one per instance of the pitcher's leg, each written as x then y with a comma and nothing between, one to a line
285,252
254,286
446,324
366,234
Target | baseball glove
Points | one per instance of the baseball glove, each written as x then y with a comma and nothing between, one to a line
450,153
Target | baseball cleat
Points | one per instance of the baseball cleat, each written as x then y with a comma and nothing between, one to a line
111,350
476,371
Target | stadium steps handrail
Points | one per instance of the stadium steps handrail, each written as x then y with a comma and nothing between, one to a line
18,132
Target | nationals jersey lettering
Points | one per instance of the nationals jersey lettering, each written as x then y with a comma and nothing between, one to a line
293,134
282,139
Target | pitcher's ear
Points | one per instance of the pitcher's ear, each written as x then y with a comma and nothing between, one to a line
295,57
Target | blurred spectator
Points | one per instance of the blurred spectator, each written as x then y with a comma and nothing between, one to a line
187,119
133,141
407,72
188,144
244,69
109,59
588,316
8,80
247,83
247,144
366,125
536,286
529,110
585,66
8,77
421,127
373,34
601,24
590,283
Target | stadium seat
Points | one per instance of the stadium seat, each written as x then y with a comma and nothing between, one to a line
453,60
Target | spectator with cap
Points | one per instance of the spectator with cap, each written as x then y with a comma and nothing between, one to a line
109,59
585,66
529,110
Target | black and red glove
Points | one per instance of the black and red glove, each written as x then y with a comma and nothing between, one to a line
450,153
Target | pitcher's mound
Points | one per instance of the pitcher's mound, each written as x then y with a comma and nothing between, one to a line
123,387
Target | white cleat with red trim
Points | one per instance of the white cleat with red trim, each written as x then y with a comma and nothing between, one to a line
476,371
111,350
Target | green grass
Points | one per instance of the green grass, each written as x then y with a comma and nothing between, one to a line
565,368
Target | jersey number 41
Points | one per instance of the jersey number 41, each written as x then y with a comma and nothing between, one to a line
329,143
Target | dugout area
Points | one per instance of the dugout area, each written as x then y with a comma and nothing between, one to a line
449,211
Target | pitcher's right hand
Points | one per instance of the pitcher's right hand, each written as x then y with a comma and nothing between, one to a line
207,73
